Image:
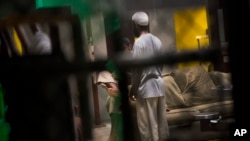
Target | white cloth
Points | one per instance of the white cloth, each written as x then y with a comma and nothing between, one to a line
40,44
148,82
112,103
140,18
152,127
150,90
105,77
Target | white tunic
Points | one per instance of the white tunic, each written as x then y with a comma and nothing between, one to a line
149,80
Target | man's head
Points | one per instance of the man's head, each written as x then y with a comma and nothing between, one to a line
140,18
140,22
127,45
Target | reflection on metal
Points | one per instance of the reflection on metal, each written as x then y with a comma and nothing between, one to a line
198,38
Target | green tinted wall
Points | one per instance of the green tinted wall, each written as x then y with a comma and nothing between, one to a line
83,8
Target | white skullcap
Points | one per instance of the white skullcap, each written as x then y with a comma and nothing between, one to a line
105,77
140,18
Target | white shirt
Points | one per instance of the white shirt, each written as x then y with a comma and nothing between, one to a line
149,80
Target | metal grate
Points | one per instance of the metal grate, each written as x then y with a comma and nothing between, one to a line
50,66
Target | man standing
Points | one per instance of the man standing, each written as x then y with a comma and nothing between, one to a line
147,84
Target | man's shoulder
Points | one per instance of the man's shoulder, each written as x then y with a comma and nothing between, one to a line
156,37
138,41
157,41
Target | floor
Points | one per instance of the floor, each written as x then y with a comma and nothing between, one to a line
101,133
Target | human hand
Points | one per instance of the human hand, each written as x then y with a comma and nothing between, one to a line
131,93
112,91
132,98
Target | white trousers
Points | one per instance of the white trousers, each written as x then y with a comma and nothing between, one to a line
151,118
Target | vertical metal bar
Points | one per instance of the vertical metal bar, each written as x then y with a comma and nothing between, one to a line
8,38
96,102
54,35
213,27
5,45
94,86
237,15
199,47
113,33
82,80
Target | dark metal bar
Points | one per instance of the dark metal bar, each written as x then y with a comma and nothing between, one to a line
51,65
82,79
94,85
237,15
